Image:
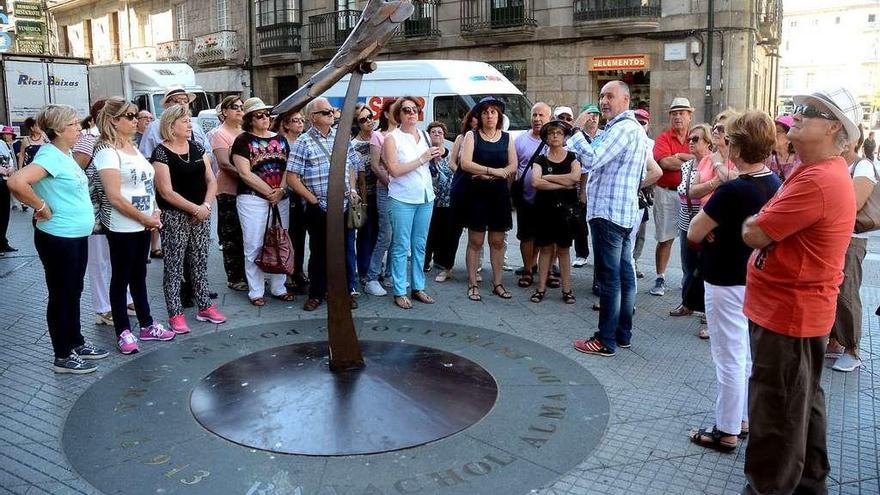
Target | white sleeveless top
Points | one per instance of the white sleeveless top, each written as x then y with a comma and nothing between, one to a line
414,187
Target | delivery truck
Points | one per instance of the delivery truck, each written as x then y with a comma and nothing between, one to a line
145,83
31,82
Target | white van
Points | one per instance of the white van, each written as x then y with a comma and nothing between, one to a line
145,83
447,88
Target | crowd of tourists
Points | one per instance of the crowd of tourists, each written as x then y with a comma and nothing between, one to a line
764,211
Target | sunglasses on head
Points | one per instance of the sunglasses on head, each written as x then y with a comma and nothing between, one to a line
410,110
811,112
261,115
364,120
325,113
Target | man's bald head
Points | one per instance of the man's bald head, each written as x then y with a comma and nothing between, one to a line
540,116
614,99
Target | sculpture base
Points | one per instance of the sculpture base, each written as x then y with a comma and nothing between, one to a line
284,399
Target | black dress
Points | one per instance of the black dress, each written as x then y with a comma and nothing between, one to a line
488,201
555,211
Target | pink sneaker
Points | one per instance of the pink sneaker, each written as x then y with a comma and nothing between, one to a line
156,332
211,314
178,324
127,343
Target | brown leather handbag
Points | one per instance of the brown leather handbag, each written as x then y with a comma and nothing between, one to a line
276,255
868,218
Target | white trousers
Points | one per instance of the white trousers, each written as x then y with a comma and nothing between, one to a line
99,273
252,212
729,340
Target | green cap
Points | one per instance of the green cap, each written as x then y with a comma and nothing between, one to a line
589,107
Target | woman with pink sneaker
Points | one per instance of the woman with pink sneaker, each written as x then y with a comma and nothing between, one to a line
186,186
129,215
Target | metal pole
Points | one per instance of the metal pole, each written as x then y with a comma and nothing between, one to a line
710,34
345,352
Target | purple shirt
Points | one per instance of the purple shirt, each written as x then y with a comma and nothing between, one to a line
526,144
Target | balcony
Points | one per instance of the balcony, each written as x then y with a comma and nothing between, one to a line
278,40
174,51
420,30
497,18
328,31
219,48
609,17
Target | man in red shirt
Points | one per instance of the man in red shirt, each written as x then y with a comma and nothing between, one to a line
670,151
800,238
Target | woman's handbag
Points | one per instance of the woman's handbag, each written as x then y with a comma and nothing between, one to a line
868,218
356,216
517,189
693,296
276,255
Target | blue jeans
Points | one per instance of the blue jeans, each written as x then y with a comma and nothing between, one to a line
689,262
409,224
351,261
383,239
366,237
617,281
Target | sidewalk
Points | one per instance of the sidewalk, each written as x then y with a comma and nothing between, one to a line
658,390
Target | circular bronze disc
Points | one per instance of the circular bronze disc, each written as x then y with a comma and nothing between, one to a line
285,399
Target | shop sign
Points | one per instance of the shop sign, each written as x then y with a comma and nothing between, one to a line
30,29
28,10
619,62
30,46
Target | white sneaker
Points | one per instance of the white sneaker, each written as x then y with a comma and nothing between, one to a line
374,288
579,262
846,363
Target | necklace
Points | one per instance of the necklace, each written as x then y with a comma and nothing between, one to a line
184,160
487,136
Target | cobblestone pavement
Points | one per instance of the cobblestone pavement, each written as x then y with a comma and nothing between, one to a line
658,390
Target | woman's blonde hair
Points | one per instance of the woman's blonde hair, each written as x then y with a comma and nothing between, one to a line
171,115
705,131
114,108
53,118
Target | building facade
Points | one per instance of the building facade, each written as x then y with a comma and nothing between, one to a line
557,51
210,35
847,51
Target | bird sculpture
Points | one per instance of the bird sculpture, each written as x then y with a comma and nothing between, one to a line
378,22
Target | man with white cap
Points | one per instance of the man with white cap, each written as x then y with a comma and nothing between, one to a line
800,238
174,95
670,151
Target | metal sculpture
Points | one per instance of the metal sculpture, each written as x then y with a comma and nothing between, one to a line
378,22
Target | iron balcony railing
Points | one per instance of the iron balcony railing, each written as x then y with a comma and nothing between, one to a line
421,24
331,29
486,15
597,10
279,39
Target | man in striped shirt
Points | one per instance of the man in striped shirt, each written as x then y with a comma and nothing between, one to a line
615,162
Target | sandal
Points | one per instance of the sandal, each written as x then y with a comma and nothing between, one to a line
474,293
714,439
312,304
239,286
568,297
538,296
283,297
157,254
402,302
553,282
681,310
525,280
597,307
422,297
503,293
259,301
703,333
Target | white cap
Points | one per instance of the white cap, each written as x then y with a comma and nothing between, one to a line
561,110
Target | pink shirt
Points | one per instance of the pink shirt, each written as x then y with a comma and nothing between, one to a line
222,138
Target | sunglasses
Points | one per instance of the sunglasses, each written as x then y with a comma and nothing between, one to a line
325,113
641,122
410,110
364,120
295,120
565,118
236,107
719,128
261,115
694,139
811,112
129,115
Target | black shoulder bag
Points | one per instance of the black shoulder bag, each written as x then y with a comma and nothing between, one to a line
518,187
694,295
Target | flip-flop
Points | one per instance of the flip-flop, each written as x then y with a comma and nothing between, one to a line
422,297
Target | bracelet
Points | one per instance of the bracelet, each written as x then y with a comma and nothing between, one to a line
42,207
207,206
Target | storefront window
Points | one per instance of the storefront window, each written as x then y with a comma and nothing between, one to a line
639,83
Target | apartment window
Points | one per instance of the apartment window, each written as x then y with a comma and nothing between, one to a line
221,14
837,20
786,81
180,21
344,4
872,18
793,24
271,12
